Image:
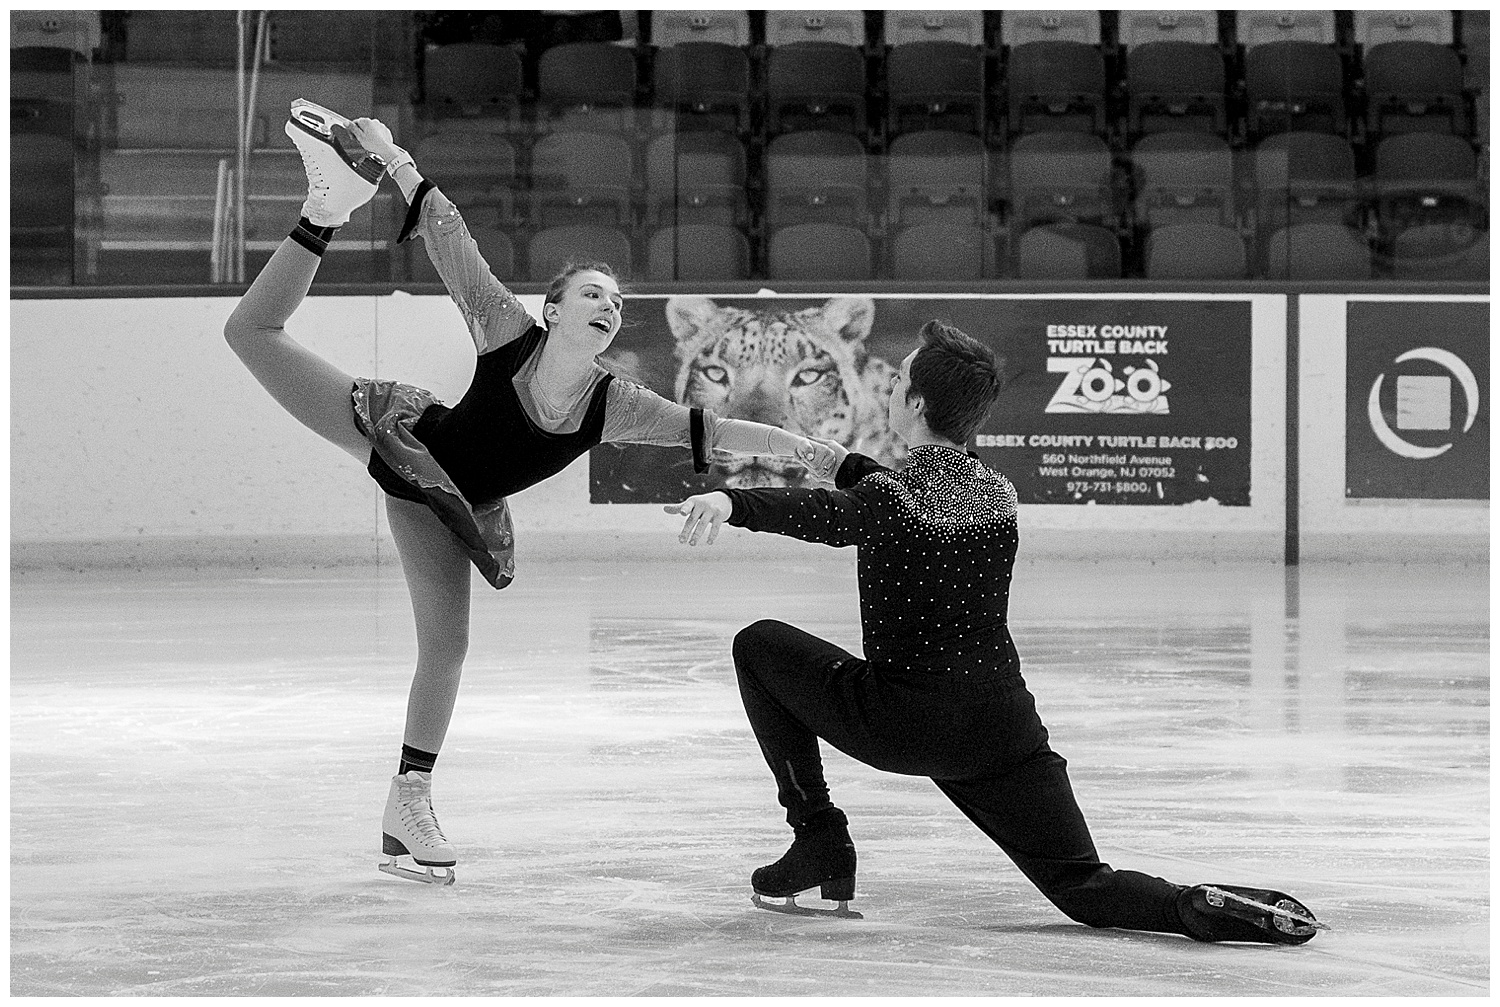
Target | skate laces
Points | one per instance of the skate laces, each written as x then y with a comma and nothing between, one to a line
417,814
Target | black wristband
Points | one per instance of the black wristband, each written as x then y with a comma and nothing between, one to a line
312,237
700,450
414,211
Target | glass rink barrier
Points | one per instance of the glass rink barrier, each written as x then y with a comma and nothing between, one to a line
148,146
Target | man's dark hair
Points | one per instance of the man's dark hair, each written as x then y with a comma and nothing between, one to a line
958,378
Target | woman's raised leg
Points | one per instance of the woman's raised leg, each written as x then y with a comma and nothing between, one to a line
307,386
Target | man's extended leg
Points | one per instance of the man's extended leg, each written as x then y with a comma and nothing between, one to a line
1030,812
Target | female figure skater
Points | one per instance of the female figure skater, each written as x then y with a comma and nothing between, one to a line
538,400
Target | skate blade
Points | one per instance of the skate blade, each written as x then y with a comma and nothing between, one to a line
316,119
1304,920
426,875
790,908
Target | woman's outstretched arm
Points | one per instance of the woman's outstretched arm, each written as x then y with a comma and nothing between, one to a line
491,312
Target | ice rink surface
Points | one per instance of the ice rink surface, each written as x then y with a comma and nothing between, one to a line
199,761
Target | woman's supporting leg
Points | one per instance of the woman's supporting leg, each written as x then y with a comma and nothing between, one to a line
307,386
437,575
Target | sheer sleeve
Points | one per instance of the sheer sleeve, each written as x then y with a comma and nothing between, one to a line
492,313
635,414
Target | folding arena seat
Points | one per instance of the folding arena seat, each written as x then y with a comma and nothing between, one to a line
581,178
816,176
1425,180
42,89
840,27
494,244
819,252
81,31
696,178
1440,252
549,250
935,177
1068,252
1317,252
674,27
1372,28
1176,86
1294,86
586,86
1195,252
1137,27
1475,33
706,85
903,27
41,187
1304,178
698,252
373,41
1414,87
189,37
940,252
472,166
1062,177
815,85
1056,86
1021,27
1183,178
935,85
472,79
1257,27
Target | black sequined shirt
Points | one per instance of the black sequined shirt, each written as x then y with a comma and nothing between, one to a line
936,543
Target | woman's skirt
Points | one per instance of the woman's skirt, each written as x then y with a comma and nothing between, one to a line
386,412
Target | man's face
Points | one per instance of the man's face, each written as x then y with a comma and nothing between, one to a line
900,413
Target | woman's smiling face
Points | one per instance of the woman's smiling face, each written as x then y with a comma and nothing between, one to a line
591,305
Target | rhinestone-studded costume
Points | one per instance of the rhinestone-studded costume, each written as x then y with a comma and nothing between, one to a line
503,435
939,692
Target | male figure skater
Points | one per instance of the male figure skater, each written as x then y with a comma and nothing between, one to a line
939,692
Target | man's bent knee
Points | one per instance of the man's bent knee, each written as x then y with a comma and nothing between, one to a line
751,641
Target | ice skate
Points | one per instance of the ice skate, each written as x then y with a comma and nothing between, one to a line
1232,913
821,856
341,174
410,830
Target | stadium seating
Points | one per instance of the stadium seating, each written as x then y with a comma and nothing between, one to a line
1195,252
1056,85
706,85
1372,28
1294,85
1019,27
935,177
1257,27
1304,178
674,27
1317,252
1176,86
903,27
838,27
935,85
581,178
815,85
816,176
472,79
549,250
1414,87
819,251
696,178
698,252
1138,27
1183,178
942,251
1061,177
1068,252
586,86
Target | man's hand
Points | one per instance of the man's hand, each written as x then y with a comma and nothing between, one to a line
822,457
708,510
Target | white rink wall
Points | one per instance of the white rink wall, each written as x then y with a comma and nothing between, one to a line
137,438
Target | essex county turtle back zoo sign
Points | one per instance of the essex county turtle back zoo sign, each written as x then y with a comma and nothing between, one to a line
1133,402
1124,402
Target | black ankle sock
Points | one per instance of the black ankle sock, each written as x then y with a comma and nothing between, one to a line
312,237
415,758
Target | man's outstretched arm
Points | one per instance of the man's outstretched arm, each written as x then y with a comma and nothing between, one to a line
837,517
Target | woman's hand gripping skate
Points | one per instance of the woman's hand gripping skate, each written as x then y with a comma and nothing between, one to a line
375,136
705,510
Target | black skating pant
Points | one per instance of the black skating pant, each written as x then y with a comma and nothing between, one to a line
982,744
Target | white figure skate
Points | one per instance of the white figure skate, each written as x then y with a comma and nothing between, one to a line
342,175
410,829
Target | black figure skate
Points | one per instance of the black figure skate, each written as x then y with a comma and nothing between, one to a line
1232,913
821,856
